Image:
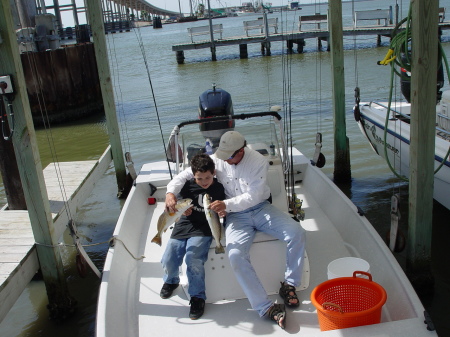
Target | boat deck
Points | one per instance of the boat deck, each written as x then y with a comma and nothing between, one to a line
18,256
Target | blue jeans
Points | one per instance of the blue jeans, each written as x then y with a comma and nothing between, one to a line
240,232
196,251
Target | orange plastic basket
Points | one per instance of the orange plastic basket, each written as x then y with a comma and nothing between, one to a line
346,302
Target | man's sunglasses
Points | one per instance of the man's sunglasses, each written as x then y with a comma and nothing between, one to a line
235,153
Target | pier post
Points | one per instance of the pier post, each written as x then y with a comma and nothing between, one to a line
10,174
243,53
180,56
422,147
300,45
266,33
61,304
342,171
378,40
290,46
104,74
265,48
213,53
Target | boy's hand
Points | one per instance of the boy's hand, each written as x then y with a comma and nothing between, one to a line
222,214
188,211
171,201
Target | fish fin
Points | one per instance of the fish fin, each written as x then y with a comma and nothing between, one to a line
220,249
157,240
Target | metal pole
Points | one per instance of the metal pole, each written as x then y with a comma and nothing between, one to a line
213,46
75,13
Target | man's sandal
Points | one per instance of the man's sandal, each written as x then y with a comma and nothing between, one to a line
277,314
287,292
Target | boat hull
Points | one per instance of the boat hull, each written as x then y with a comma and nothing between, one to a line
372,125
129,303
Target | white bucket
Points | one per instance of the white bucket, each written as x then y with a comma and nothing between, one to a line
345,266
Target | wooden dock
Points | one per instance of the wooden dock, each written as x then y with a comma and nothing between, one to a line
18,256
290,38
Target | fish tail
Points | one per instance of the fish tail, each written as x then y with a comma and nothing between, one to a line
157,240
220,249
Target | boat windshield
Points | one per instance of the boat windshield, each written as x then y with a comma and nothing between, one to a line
198,138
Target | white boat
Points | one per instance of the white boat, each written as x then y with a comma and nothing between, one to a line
246,13
372,124
129,303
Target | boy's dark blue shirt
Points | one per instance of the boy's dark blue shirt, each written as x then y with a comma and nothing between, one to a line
196,223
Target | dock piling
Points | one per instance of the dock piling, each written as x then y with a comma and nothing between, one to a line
180,57
243,53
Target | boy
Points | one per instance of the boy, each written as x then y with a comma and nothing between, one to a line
191,236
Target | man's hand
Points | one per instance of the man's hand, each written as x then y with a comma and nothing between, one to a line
171,201
218,206
222,214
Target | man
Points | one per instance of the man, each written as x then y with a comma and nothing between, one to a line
243,172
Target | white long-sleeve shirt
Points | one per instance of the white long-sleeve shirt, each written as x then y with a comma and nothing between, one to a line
245,183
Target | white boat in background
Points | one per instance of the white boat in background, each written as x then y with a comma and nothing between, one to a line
246,13
372,119
129,303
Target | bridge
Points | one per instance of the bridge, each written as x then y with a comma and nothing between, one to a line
114,12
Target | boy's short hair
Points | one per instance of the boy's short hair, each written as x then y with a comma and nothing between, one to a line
202,163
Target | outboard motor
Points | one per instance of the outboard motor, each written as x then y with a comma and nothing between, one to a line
215,102
405,80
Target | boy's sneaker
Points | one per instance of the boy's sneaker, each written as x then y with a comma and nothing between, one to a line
197,307
167,290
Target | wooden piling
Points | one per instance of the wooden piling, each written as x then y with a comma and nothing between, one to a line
265,48
300,45
180,57
243,53
101,55
422,147
61,304
342,171
290,46
10,173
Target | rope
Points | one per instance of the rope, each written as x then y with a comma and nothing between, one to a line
141,45
118,92
62,244
110,242
124,245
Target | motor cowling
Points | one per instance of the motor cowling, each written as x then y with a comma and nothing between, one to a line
215,102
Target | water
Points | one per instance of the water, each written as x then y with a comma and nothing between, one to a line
254,84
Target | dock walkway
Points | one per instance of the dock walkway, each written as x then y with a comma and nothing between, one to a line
290,38
18,256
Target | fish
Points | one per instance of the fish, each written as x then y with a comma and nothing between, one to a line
214,223
166,219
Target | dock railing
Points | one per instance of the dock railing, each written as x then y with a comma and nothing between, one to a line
317,19
374,14
259,24
205,30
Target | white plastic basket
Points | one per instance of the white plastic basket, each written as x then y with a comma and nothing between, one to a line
345,266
